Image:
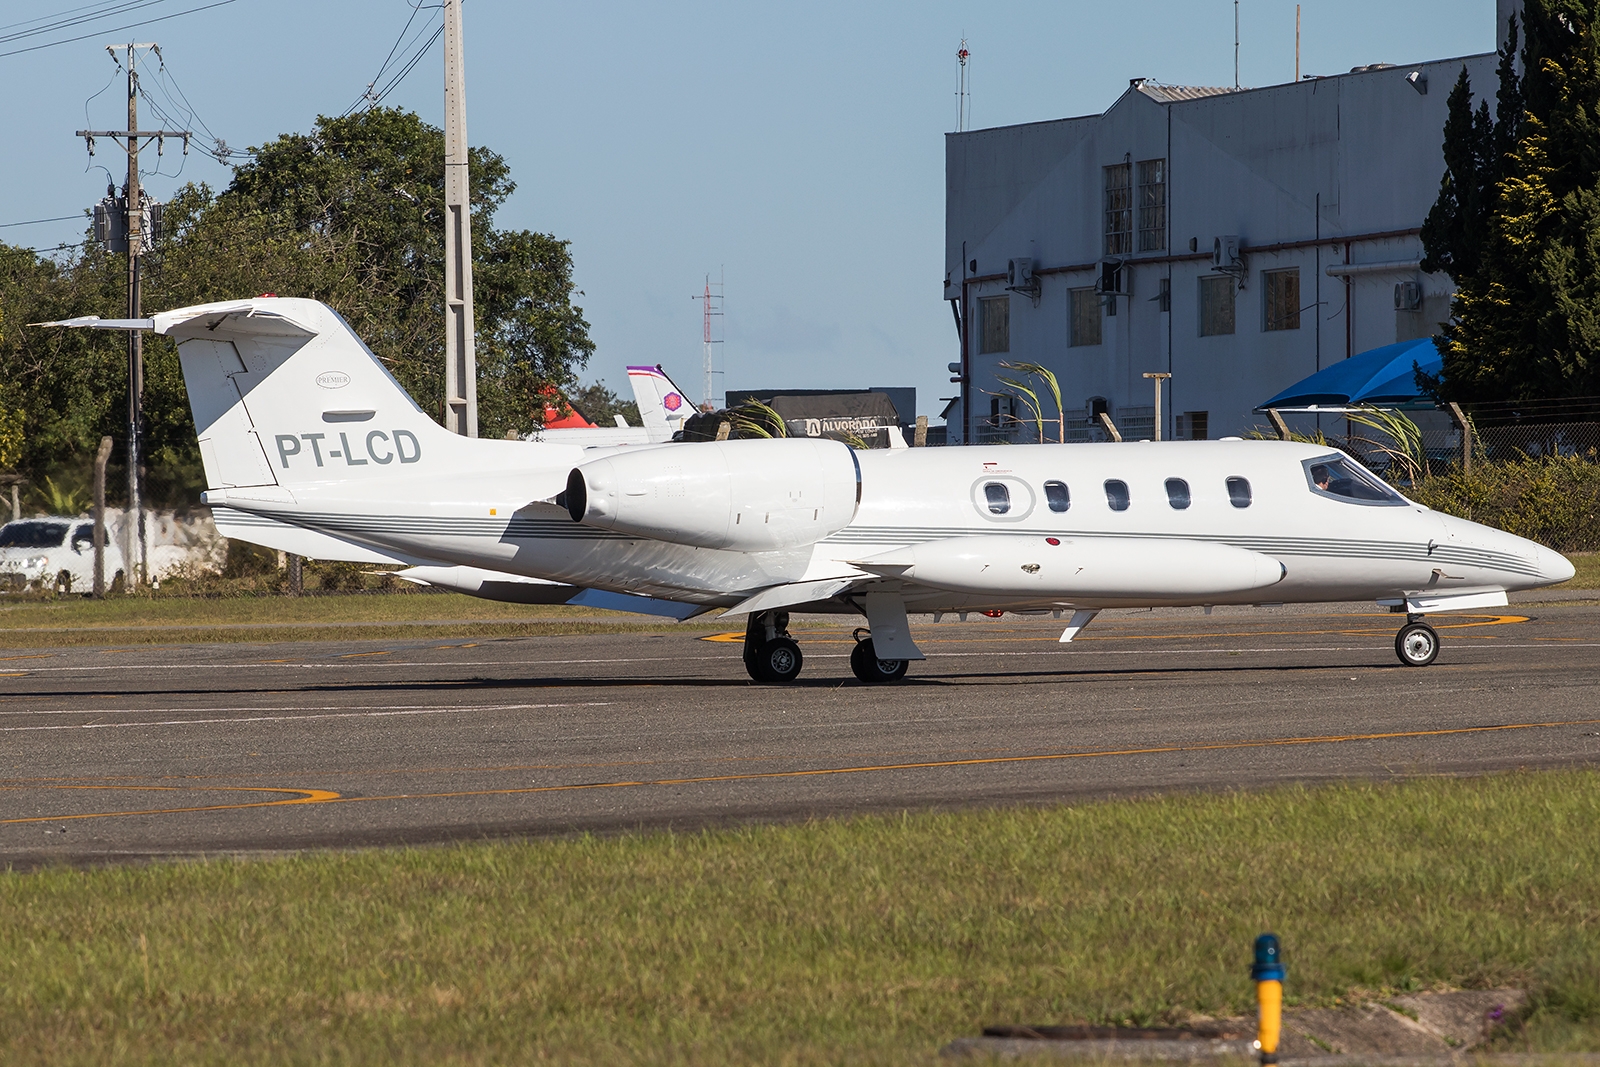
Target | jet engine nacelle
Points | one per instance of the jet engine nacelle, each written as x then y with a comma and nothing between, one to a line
1083,568
751,496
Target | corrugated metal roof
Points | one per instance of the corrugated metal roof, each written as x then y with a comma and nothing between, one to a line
1170,93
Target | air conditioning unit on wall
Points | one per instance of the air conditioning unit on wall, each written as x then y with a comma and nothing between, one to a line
1020,279
1407,296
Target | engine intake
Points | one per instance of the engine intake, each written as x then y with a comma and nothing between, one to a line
747,495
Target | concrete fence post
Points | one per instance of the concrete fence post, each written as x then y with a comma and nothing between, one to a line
100,459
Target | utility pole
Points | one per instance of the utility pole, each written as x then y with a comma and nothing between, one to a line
460,358
137,223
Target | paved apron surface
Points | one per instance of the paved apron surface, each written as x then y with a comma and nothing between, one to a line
110,754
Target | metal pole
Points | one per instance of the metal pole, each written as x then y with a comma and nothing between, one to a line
461,365
135,560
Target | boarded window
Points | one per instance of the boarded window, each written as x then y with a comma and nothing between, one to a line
1282,294
1216,305
1152,205
1085,317
995,322
1119,209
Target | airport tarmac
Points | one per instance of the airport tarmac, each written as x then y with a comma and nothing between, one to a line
119,754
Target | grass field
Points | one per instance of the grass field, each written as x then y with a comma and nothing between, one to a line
1588,576
32,622
872,940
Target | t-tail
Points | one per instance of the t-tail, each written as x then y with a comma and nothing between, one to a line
662,405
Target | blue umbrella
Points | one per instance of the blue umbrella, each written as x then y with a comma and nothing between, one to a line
1383,376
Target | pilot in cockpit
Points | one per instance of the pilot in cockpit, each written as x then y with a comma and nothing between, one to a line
1320,476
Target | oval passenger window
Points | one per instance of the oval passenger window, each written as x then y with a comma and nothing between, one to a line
999,498
1239,492
1055,493
1117,494
1178,493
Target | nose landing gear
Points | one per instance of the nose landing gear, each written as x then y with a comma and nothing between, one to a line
1417,643
770,654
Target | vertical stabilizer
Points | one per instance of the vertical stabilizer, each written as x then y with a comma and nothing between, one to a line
662,407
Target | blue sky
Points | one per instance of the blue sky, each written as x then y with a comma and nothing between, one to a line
797,148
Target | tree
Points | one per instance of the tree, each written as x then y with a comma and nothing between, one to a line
351,214
601,406
1525,255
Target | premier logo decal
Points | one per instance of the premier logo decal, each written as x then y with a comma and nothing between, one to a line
333,379
381,448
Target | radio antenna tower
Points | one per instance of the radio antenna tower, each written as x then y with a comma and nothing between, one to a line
963,99
711,304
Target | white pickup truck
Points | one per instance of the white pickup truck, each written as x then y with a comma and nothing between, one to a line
53,551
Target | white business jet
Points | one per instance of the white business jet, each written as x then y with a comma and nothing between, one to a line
662,409
310,446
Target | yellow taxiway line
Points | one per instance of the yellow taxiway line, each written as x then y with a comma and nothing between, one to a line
326,796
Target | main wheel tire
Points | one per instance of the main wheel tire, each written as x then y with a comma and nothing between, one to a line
776,661
1417,644
866,665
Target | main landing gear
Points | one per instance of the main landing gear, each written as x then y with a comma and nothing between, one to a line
1417,643
770,654
868,667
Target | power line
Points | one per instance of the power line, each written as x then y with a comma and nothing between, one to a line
117,29
411,59
35,222
67,23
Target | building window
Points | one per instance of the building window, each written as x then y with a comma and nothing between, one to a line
1193,425
994,317
1119,210
1153,205
1216,305
1085,317
1282,289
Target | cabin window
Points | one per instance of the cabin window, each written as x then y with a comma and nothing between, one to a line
1117,494
1344,479
1056,495
1239,492
999,498
1177,493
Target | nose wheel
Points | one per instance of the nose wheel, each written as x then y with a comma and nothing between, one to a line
1417,643
770,654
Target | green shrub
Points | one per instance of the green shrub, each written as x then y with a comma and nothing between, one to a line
1554,500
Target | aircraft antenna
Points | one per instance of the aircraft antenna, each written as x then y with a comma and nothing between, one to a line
963,96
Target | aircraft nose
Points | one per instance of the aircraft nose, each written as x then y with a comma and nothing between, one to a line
1554,567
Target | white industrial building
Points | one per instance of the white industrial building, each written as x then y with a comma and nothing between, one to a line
1238,240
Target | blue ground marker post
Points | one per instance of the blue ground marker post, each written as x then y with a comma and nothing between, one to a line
1268,976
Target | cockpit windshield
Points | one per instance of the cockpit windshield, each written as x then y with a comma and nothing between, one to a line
1344,479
